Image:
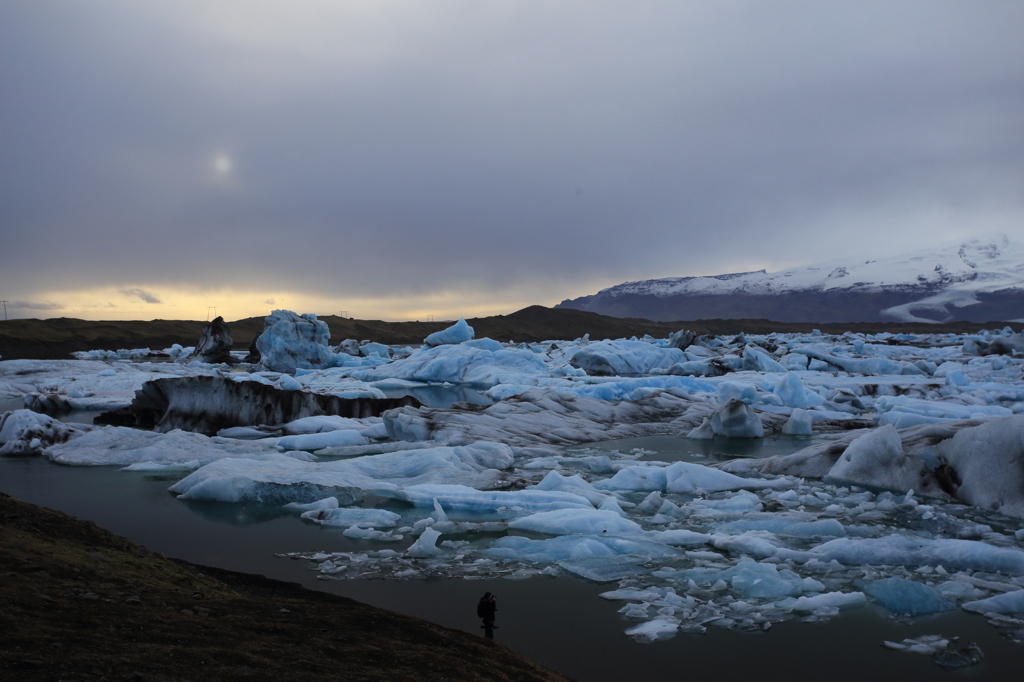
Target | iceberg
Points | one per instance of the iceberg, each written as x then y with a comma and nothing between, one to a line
291,341
122,446
455,334
876,459
461,364
989,464
1008,602
24,432
735,419
624,358
908,597
576,521
345,518
288,480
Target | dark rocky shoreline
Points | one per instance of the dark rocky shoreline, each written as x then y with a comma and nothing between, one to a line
78,602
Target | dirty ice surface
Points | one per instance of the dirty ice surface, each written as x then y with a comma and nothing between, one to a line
902,484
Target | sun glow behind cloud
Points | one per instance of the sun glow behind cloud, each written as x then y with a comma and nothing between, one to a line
399,159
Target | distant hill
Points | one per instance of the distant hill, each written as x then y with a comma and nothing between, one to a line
59,337
973,281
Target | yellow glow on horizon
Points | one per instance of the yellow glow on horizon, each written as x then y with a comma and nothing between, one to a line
155,302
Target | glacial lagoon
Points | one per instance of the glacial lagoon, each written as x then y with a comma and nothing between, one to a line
776,506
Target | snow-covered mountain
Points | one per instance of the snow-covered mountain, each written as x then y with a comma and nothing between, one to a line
977,280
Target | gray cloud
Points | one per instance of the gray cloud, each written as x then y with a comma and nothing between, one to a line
35,305
269,301
413,147
140,294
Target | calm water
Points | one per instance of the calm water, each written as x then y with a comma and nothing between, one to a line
560,622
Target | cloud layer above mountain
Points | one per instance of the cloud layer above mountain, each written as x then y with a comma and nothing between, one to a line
526,151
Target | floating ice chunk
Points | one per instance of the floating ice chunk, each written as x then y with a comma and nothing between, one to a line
754,543
765,581
925,644
702,432
637,478
687,477
681,477
794,361
24,432
425,545
960,589
901,550
741,502
799,424
461,365
566,547
635,595
639,611
463,498
119,445
457,333
603,569
757,360
794,394
989,462
349,516
576,521
780,525
1008,602
944,410
321,424
247,433
155,466
484,344
680,537
290,341
611,504
830,599
909,597
378,349
659,628
288,383
326,503
877,460
318,441
362,533
735,419
283,478
573,484
736,390
956,378
624,358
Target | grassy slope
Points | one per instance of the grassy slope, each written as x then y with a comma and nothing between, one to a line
56,338
78,602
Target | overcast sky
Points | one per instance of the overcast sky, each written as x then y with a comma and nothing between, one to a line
400,159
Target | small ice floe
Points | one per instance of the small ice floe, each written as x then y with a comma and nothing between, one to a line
947,653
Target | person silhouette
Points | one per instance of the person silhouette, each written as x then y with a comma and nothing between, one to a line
485,609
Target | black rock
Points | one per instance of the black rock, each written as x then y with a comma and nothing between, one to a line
254,355
214,345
